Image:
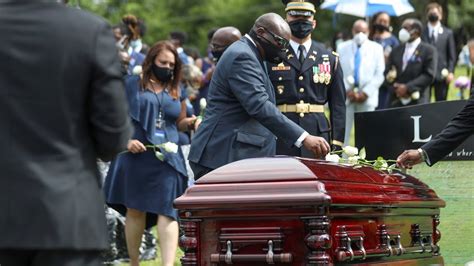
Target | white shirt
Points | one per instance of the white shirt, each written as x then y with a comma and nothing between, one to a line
410,48
434,30
299,141
295,46
371,68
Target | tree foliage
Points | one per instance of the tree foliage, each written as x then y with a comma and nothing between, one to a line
197,17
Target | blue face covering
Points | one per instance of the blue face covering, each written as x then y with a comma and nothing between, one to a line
136,43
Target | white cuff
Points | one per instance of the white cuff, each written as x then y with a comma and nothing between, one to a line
299,141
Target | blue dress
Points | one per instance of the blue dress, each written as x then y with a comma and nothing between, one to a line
141,181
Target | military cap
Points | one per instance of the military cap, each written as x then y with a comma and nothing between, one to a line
299,7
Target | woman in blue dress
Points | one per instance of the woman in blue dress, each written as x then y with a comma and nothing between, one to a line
138,184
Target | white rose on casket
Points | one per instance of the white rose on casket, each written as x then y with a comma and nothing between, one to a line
332,158
350,151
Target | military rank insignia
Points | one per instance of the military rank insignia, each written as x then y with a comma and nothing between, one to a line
280,89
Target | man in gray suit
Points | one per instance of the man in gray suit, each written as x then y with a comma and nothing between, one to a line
241,119
62,105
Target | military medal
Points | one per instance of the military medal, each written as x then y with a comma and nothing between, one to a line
327,79
315,74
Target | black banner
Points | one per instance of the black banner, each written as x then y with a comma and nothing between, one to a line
387,133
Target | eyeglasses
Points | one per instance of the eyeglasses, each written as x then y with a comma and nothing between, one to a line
282,42
217,47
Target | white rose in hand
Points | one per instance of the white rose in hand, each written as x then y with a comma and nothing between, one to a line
203,103
170,147
350,151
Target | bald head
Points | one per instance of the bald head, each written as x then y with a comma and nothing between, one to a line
225,36
274,23
360,26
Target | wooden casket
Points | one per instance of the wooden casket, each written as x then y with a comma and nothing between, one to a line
294,211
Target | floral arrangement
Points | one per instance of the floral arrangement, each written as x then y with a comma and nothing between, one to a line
358,159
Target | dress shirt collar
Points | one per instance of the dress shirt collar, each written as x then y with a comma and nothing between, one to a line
413,44
251,40
294,45
434,28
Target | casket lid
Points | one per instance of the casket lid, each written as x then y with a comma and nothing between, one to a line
344,184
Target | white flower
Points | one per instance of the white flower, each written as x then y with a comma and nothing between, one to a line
170,147
415,95
350,151
353,159
332,158
444,73
159,156
203,103
350,79
137,70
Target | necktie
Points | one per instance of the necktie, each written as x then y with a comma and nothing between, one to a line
356,66
301,56
432,37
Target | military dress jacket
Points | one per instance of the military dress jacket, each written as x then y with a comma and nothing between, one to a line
319,80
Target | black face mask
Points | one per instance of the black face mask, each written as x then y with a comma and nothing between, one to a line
273,54
432,17
216,54
380,28
163,74
301,28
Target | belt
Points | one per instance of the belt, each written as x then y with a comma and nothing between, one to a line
301,108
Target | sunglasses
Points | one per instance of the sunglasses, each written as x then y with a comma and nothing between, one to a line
282,42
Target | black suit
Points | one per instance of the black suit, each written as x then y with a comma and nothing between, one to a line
417,75
62,105
446,49
455,133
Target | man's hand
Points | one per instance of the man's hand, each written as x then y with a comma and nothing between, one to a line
449,78
135,146
401,90
319,146
361,97
350,94
409,158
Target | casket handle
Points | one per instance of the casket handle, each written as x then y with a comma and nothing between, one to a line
270,258
228,254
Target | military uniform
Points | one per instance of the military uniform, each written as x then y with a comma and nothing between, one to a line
302,90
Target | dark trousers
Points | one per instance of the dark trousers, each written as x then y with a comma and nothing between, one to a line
440,90
16,257
199,170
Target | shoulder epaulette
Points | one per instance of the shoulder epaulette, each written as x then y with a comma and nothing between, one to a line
334,53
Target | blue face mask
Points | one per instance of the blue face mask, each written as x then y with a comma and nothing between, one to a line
136,43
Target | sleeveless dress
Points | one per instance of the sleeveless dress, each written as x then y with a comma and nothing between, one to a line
141,181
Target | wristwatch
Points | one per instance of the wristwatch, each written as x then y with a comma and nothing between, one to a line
422,154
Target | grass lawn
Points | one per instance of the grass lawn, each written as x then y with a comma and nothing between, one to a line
453,182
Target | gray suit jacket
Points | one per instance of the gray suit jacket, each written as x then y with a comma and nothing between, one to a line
62,105
241,118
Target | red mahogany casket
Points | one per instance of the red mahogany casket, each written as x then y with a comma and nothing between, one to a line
294,211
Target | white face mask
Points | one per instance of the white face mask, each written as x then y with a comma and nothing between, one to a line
360,38
404,35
